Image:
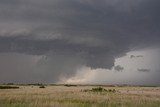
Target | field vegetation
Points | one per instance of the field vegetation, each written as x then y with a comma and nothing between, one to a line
8,87
79,96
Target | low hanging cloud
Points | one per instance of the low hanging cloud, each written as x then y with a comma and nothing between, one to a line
144,70
138,56
118,68
75,33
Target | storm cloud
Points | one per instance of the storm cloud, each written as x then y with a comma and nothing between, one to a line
138,56
144,70
118,68
69,34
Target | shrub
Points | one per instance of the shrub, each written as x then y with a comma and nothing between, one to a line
10,83
100,89
111,90
42,86
36,84
9,87
70,85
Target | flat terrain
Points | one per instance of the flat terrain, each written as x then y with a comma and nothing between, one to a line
79,96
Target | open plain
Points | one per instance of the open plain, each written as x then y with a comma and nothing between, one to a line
80,96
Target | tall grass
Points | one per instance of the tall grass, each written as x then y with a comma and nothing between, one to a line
62,96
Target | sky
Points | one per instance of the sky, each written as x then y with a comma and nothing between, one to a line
75,41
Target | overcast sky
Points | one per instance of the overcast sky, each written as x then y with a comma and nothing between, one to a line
52,41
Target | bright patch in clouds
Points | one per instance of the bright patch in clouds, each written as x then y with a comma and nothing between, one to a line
130,74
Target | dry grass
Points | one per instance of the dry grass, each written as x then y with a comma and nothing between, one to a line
62,96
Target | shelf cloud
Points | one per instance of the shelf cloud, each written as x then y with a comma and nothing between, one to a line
74,33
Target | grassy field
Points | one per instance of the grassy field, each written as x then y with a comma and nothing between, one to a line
80,96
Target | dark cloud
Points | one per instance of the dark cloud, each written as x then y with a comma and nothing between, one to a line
89,32
138,56
144,70
118,68
132,56
22,68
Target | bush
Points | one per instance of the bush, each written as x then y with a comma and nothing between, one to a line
42,86
70,85
9,87
10,83
100,89
111,90
36,84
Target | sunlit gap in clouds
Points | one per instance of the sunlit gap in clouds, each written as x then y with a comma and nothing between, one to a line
145,60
